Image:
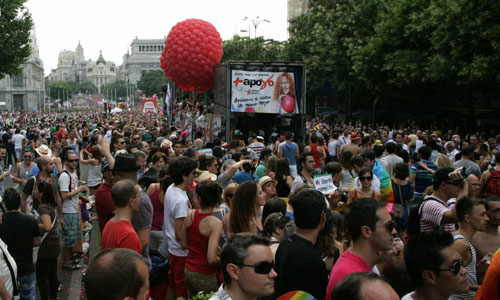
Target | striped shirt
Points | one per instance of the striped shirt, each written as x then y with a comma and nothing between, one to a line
423,178
432,211
471,271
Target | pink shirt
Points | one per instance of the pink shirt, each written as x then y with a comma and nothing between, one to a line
346,264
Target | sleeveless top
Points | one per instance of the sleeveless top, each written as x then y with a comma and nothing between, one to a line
24,174
471,271
73,146
196,260
158,212
316,155
373,195
282,188
95,175
290,151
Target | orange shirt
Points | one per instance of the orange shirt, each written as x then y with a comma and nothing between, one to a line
489,288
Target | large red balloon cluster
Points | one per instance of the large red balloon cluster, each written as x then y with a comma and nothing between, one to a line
192,49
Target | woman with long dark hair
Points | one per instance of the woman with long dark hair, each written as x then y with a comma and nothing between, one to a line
46,264
284,179
245,209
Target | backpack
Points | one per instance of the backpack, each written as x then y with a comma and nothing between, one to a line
70,179
415,216
493,183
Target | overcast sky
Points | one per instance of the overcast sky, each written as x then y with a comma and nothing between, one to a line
111,25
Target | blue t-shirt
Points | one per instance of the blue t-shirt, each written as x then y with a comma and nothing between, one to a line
290,151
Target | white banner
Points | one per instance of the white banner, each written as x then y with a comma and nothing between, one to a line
263,92
324,183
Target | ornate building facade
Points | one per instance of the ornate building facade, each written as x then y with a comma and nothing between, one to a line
145,56
101,72
26,90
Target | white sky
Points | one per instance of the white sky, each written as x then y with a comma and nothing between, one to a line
111,25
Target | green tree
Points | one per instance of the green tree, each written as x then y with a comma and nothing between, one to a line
326,39
87,87
257,49
112,89
60,90
434,53
152,82
15,26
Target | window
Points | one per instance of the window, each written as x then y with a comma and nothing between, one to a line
17,81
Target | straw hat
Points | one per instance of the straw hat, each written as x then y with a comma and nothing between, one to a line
44,150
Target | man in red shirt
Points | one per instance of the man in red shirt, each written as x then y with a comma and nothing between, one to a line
119,232
104,204
372,231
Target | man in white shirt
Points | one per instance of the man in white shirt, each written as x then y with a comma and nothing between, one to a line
451,150
391,159
177,205
18,143
332,146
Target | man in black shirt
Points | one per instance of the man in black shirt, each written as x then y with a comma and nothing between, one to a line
298,263
20,232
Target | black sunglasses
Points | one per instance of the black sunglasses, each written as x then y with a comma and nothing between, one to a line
455,183
365,178
455,267
73,160
261,267
389,226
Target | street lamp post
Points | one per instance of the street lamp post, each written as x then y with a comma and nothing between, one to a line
256,23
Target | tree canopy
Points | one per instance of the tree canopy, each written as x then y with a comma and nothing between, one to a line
152,82
257,49
15,26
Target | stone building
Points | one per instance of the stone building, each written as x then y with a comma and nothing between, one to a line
26,90
145,56
100,72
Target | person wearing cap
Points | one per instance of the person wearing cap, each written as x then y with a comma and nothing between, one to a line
257,145
298,263
435,214
125,167
104,204
353,146
268,185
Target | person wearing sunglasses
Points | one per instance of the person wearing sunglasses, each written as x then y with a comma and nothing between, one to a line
434,266
247,267
22,171
472,217
365,177
372,231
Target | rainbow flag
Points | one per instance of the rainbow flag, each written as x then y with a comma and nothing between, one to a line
385,182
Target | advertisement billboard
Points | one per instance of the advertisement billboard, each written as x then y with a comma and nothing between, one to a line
149,106
264,92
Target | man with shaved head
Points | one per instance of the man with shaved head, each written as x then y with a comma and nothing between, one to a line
117,274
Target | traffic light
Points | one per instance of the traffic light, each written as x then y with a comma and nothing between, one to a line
109,108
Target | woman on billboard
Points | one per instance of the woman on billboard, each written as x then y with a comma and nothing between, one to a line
284,101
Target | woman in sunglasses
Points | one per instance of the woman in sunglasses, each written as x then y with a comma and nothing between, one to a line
365,191
202,232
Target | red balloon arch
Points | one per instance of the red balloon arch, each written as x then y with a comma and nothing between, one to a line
192,49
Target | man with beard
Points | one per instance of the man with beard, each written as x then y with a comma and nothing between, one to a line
306,175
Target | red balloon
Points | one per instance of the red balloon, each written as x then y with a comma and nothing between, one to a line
288,103
250,109
192,49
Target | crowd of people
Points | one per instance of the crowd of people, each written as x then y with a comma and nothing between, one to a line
412,214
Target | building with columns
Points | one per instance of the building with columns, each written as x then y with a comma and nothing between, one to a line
26,90
144,56
101,72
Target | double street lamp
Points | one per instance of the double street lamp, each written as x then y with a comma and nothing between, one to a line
255,23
